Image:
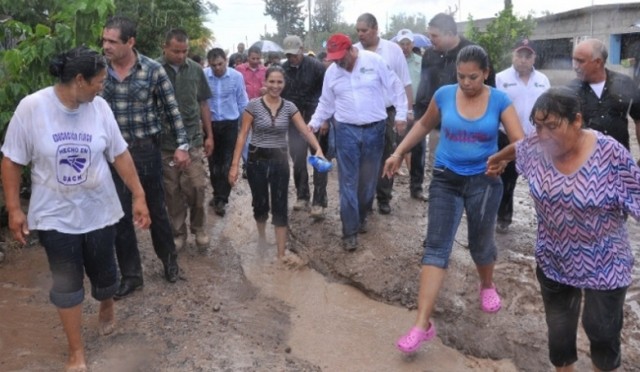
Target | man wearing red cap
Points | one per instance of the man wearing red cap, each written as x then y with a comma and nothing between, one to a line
523,84
354,92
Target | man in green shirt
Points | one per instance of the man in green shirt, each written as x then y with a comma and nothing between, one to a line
185,187
414,61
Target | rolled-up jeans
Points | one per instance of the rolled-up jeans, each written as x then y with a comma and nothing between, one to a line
450,195
359,153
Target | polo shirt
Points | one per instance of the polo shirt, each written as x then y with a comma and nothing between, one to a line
609,113
191,88
229,94
354,97
523,96
414,63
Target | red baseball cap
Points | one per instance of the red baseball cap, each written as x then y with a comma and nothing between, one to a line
337,46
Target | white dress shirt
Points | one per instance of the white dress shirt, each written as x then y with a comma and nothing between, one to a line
358,97
523,96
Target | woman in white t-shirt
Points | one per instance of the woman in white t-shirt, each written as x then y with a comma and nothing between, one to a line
69,136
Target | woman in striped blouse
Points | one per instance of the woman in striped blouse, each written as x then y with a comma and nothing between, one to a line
584,185
268,164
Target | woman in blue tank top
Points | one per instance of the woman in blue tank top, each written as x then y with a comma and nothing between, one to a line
470,114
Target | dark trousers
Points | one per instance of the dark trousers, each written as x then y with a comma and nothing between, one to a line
385,184
148,162
268,175
225,134
418,156
299,151
509,182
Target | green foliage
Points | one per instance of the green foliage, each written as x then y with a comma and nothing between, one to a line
289,18
35,33
416,23
156,17
326,15
321,37
501,35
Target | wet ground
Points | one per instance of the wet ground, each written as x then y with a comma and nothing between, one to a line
238,310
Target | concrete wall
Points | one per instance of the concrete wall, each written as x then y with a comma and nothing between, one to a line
562,77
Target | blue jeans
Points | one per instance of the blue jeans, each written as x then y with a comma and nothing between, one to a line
70,255
359,153
450,194
148,161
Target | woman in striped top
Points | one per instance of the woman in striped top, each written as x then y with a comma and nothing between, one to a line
584,185
268,164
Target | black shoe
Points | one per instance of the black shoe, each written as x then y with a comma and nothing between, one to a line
384,208
419,195
171,269
220,208
363,227
127,287
502,227
212,203
350,244
244,173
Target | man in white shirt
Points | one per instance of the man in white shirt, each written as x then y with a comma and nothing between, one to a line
351,93
523,84
367,27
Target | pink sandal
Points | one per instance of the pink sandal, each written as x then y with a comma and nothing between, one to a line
411,342
490,300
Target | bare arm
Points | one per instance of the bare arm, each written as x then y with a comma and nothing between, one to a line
637,122
420,130
512,125
247,121
498,162
11,175
307,133
123,164
205,117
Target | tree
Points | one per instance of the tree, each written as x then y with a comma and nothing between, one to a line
416,23
288,15
156,17
500,35
317,44
326,15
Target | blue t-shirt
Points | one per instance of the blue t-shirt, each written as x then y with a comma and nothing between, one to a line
465,145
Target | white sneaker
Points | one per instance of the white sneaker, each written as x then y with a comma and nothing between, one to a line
179,241
301,205
317,212
202,240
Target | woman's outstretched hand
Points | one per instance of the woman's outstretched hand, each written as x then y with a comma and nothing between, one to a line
233,175
495,166
392,165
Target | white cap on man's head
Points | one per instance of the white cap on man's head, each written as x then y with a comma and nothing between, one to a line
292,44
404,34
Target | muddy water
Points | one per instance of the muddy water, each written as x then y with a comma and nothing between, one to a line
336,327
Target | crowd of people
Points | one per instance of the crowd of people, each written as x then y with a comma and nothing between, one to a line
130,137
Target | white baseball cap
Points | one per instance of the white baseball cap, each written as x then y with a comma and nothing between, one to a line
404,34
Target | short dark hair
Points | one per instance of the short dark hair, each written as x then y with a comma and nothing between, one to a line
369,19
474,53
216,53
77,61
272,69
196,58
321,56
128,28
177,33
445,23
558,101
255,49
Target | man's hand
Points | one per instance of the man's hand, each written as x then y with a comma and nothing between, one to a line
324,129
208,146
18,226
401,127
410,118
181,159
141,217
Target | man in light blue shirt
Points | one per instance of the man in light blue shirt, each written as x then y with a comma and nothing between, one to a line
227,104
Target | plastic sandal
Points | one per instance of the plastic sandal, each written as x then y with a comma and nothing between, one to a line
411,342
490,300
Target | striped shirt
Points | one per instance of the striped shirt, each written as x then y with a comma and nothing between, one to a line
270,131
142,99
582,234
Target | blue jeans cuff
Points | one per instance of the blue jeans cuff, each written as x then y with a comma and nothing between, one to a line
428,260
101,294
67,300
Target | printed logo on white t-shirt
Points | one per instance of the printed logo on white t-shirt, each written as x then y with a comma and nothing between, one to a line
72,163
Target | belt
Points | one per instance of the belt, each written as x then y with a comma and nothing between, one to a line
214,122
262,153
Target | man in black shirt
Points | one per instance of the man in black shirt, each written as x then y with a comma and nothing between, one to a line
608,98
439,69
303,86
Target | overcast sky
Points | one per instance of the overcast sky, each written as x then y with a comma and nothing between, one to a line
243,20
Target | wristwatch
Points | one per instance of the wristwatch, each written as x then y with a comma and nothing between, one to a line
184,147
